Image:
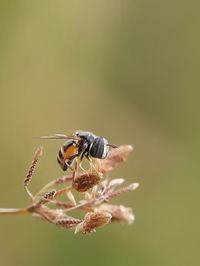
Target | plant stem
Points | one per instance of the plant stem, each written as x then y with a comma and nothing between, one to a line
52,184
5,211
63,191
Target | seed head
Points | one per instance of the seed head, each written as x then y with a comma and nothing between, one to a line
93,220
119,213
84,181
98,192
114,158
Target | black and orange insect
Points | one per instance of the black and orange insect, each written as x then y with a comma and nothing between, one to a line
79,145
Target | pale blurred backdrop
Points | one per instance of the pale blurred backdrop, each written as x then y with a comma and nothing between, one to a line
126,70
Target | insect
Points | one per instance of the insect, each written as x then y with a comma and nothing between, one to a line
79,145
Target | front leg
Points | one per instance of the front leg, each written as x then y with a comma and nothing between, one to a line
68,162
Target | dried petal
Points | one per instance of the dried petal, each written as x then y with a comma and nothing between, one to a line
93,220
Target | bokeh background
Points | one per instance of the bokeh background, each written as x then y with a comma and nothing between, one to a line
127,70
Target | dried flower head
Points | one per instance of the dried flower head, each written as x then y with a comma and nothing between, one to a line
93,220
119,213
94,187
114,158
86,181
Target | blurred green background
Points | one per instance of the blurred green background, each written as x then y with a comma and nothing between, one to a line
127,70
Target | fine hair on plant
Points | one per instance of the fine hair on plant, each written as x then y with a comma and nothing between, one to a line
95,190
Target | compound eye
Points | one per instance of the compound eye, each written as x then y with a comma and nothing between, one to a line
81,134
77,133
85,135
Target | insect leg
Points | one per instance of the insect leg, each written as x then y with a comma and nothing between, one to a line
92,165
69,161
79,164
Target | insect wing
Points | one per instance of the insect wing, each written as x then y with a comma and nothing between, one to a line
60,136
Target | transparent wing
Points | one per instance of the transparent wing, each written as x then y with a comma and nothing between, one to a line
60,136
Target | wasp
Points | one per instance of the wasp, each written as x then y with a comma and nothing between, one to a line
79,145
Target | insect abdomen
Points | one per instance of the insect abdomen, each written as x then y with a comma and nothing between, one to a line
99,148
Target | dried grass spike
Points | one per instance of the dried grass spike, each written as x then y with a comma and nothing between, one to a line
68,222
49,195
32,167
115,193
